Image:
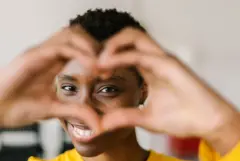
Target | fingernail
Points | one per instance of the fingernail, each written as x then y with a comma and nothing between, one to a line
105,75
106,129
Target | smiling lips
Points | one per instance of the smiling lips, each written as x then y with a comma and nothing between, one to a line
80,131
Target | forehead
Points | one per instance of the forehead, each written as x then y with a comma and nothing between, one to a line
74,68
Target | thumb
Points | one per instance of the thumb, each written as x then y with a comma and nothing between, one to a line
123,118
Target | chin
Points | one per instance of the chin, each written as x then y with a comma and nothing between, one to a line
89,145
87,151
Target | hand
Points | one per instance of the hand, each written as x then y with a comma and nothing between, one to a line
27,93
179,103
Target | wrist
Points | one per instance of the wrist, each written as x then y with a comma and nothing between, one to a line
226,134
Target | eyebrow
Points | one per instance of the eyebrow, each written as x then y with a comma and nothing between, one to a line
73,79
116,78
112,78
67,77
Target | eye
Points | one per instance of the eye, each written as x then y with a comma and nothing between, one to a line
108,91
69,89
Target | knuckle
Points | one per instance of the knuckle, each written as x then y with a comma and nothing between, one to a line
31,50
129,29
134,30
77,29
170,55
66,35
66,30
52,49
172,61
111,43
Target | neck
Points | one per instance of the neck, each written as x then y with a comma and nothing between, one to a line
128,150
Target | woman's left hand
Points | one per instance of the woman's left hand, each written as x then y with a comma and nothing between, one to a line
179,103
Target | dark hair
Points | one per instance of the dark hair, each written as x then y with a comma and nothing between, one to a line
102,24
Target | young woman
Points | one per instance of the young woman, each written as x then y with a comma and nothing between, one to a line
116,96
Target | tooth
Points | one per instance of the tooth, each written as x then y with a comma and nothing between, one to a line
75,130
78,131
81,132
75,134
84,134
90,132
87,133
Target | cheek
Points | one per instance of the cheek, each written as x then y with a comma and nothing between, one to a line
132,97
129,98
64,98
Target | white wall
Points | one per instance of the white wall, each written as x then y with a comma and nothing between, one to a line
26,22
203,33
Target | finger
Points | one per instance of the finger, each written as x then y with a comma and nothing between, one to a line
153,68
50,55
75,36
84,113
129,58
131,117
91,44
131,37
162,66
125,117
104,75
71,53
88,42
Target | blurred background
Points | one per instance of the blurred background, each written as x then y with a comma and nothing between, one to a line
205,34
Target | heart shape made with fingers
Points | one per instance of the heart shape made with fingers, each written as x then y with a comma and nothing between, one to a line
98,90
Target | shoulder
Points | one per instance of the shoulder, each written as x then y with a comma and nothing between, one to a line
66,156
207,153
157,156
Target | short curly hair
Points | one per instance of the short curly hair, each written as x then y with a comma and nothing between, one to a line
102,24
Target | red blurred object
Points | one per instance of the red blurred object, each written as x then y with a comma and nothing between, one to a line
184,147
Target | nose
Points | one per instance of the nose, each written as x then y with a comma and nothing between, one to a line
87,99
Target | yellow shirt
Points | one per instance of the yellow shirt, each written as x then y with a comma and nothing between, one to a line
205,154
208,154
72,155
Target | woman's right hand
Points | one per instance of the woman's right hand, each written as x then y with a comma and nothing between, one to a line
26,84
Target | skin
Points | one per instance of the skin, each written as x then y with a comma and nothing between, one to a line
179,103
24,100
27,94
121,89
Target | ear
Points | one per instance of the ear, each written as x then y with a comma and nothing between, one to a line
144,93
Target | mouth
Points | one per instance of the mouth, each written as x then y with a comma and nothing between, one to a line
80,132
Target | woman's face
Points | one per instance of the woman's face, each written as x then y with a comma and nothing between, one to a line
120,90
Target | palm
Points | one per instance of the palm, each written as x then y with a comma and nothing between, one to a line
29,91
176,110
